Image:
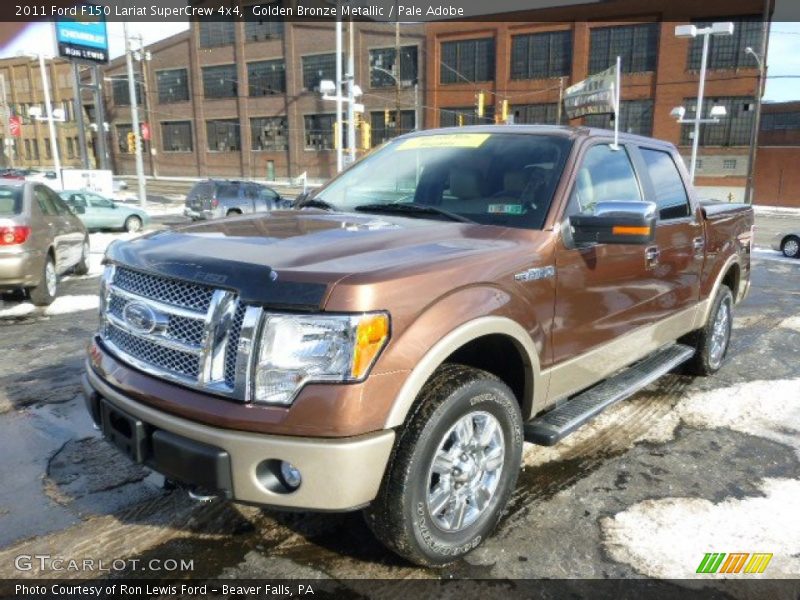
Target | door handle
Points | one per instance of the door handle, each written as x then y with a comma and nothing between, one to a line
651,256
698,243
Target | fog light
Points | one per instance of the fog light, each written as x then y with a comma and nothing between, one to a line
291,475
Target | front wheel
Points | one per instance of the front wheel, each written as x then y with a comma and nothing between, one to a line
791,247
454,467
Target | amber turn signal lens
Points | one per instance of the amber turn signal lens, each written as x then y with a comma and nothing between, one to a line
627,230
371,335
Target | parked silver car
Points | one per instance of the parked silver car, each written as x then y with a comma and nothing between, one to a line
787,242
40,239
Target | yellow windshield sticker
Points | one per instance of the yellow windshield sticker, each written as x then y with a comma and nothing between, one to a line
450,140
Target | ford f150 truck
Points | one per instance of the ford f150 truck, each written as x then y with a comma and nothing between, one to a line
390,343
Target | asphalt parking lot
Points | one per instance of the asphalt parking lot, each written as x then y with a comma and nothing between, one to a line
687,466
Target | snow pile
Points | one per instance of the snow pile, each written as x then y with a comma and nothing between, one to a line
791,323
60,306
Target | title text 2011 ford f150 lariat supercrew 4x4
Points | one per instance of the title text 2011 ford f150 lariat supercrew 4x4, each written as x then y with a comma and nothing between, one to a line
391,344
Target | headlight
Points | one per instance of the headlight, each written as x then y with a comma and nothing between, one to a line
298,349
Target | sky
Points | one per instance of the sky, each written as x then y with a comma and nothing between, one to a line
783,59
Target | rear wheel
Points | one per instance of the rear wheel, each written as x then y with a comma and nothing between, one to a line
44,293
791,247
133,224
712,341
454,467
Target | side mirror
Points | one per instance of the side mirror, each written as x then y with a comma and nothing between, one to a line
615,223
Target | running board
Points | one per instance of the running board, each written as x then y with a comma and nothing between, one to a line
553,426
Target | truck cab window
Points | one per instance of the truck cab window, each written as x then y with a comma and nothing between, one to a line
605,175
671,197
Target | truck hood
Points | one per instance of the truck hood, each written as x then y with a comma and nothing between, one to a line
293,258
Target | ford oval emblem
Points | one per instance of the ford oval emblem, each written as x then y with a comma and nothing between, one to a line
139,317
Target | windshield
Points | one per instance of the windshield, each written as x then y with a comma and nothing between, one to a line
10,200
503,179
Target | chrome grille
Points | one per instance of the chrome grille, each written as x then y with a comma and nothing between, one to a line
179,331
180,293
173,361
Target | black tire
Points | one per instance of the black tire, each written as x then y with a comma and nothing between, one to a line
42,294
133,224
400,516
82,268
791,250
706,360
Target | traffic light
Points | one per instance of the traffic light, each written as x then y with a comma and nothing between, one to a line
480,102
366,135
504,112
460,120
132,142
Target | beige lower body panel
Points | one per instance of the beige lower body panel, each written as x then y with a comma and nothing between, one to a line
579,373
338,473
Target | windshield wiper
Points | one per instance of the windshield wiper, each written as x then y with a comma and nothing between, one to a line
412,208
315,203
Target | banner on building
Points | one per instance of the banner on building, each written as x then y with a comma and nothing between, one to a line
595,95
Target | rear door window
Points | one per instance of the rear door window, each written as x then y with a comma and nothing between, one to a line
10,201
671,197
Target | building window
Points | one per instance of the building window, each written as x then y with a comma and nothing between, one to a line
727,51
259,29
734,129
637,117
466,61
319,132
384,58
316,68
266,77
534,114
216,33
384,126
698,165
541,55
173,86
70,148
729,164
223,135
48,152
455,117
122,138
220,81
27,150
176,136
121,94
636,44
781,121
269,133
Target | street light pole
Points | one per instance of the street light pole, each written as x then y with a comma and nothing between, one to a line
135,118
50,123
351,113
338,143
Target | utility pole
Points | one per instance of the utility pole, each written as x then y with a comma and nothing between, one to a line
560,100
135,117
338,143
397,119
50,122
8,148
761,59
144,57
78,109
351,113
100,118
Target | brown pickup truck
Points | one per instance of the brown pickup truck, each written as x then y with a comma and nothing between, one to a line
390,343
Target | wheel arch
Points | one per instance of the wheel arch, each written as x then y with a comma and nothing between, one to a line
495,333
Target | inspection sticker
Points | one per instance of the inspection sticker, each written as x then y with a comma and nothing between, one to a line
450,140
506,209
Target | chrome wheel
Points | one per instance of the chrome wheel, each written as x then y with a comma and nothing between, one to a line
465,471
133,224
791,248
720,332
50,279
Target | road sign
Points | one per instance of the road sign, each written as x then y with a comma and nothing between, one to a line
85,37
15,126
146,131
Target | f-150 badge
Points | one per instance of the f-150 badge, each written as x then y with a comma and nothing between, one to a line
536,273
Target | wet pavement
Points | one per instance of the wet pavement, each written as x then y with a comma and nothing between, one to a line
65,490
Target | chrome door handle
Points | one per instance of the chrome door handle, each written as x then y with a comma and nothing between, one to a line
698,243
651,256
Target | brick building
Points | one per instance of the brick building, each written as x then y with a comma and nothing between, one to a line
777,175
527,58
241,99
22,81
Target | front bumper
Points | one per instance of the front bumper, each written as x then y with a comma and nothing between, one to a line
200,215
338,474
